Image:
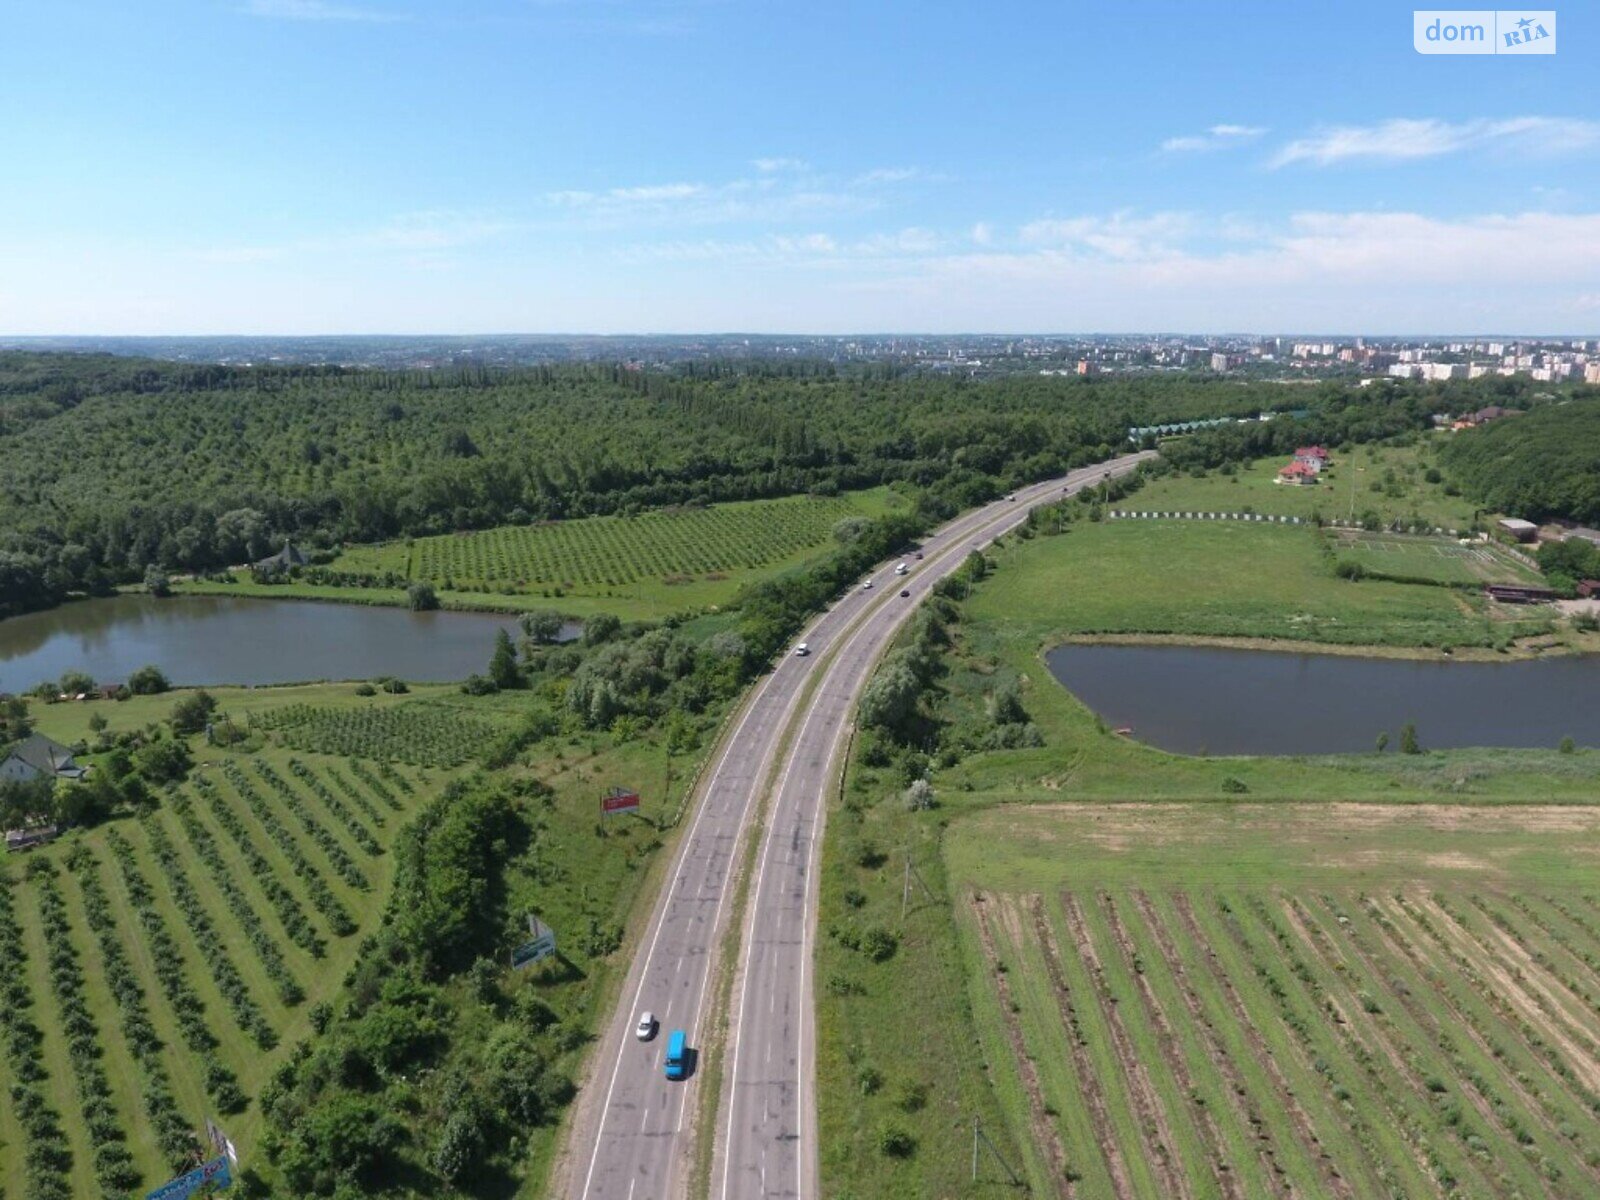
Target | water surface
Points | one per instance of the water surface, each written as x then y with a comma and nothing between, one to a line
243,640
1210,700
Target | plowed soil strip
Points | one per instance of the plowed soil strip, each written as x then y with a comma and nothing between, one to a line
1585,965
1410,1059
1355,1057
1465,1025
1153,1120
1045,1133
1240,1101
1284,1093
1526,999
1172,1053
1572,996
1378,1048
1415,927
1093,1094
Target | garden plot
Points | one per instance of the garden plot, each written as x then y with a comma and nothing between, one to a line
1438,560
1307,1000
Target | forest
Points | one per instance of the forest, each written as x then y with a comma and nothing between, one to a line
1540,465
109,466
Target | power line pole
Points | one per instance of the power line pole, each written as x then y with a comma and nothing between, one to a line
978,1135
905,892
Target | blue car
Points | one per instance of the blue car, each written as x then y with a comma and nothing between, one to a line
677,1056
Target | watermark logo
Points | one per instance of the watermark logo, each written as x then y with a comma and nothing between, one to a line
1483,31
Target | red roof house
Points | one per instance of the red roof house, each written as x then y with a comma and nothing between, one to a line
1297,472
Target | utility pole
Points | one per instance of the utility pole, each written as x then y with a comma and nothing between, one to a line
978,1135
905,892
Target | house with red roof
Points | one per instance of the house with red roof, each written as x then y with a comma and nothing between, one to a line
1298,472
1315,457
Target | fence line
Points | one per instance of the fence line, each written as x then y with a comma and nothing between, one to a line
1279,519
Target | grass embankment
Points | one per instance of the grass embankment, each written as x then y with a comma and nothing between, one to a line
641,567
939,1013
303,854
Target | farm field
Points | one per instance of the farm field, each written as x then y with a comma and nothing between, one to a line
165,965
1443,560
1389,481
195,946
660,561
1288,1000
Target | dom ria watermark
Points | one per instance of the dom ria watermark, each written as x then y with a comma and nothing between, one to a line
1483,31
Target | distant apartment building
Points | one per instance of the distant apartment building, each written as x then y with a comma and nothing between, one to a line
1591,373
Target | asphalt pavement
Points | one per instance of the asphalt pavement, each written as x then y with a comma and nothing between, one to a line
630,1142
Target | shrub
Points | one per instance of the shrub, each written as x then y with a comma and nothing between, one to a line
148,681
895,1142
919,797
878,944
191,713
421,597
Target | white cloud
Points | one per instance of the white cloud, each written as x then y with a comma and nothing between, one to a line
318,10
768,166
1119,235
1404,139
983,233
889,175
1217,137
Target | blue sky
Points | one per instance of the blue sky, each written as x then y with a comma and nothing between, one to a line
322,166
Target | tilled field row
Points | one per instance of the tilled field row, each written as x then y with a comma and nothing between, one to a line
1285,1043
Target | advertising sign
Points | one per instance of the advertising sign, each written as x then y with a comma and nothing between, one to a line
541,945
619,800
213,1175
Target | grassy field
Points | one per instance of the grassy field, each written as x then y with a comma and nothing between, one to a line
1223,579
1390,481
926,1041
236,907
1263,1001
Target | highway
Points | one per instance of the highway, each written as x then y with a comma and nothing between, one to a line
779,763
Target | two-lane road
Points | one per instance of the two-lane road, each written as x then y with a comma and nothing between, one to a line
628,1141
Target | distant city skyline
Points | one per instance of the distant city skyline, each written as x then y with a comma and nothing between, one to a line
417,167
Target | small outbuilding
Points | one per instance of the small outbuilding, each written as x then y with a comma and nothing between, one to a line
1518,593
290,556
1523,531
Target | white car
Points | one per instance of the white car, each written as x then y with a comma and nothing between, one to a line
867,586
647,1026
802,650
1011,496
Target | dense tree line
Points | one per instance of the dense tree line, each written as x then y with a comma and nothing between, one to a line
333,1125
111,466
1542,464
1340,415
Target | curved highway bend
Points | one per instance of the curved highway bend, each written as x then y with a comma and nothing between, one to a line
628,1140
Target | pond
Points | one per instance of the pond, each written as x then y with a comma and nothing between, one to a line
241,640
1209,700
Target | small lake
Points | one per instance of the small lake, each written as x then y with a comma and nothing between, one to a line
243,640
1210,700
